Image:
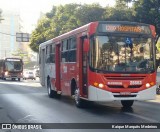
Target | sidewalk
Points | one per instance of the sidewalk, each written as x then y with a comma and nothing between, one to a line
157,100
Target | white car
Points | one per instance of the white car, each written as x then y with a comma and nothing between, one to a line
29,75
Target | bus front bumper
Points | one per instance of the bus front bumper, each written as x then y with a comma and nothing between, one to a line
10,76
96,94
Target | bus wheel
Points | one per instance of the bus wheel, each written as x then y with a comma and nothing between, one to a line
127,103
78,101
158,90
51,93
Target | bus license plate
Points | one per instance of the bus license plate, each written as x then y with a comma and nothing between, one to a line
125,93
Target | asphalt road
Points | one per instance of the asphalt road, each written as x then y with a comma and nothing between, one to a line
28,102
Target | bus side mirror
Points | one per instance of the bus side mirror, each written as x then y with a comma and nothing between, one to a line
86,45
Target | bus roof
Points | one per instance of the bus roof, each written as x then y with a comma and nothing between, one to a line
10,58
70,33
85,28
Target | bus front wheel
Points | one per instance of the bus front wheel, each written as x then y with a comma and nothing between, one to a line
127,103
80,103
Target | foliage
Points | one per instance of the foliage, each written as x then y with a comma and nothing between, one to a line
147,11
158,45
120,12
19,53
62,19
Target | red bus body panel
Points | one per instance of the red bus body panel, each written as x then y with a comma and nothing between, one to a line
113,82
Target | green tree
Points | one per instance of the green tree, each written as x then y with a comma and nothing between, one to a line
158,45
120,12
147,11
89,13
62,19
19,53
40,34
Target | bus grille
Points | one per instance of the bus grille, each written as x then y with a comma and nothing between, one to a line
124,77
121,86
119,96
121,78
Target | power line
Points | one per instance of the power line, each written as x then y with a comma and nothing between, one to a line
7,34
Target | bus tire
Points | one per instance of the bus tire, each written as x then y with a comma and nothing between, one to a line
51,93
158,91
80,103
127,103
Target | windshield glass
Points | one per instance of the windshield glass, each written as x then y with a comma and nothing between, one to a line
122,54
13,65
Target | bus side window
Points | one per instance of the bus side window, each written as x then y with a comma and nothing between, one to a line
72,56
64,56
40,56
64,50
52,58
46,56
72,50
64,45
52,54
68,53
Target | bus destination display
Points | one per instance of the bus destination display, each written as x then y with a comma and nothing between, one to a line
124,28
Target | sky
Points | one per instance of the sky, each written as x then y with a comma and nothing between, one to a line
30,9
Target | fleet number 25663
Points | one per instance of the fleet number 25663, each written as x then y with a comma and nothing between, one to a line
135,82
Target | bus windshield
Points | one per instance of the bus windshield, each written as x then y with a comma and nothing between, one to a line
122,54
13,66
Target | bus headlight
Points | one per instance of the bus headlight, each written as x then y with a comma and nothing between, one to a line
150,84
147,85
6,73
100,85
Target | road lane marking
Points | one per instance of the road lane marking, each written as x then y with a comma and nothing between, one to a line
28,119
142,117
22,84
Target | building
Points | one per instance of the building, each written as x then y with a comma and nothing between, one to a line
8,29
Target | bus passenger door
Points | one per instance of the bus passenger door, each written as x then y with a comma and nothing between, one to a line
42,67
58,69
84,68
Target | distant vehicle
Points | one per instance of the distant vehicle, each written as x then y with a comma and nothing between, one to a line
37,72
11,68
29,75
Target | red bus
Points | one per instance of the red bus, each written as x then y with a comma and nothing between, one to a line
11,68
101,61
